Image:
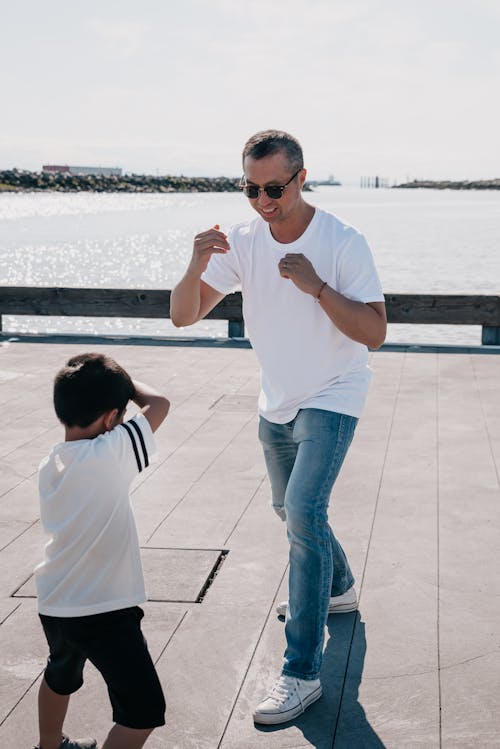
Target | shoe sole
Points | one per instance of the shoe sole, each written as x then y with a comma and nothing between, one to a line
272,719
342,608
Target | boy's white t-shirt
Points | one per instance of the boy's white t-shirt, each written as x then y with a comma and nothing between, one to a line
92,560
306,362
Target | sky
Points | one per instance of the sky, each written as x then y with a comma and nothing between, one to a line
402,89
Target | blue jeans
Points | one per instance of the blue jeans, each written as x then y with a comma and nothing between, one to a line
303,459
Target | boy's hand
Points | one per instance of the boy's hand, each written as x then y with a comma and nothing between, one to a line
153,405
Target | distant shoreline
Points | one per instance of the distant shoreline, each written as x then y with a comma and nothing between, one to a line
482,184
15,180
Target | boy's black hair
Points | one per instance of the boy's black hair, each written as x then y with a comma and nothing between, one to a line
88,386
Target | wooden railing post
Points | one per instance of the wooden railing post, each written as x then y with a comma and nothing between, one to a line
490,335
235,329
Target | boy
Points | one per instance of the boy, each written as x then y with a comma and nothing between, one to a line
90,584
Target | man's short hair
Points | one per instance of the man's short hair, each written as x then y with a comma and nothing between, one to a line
269,142
89,386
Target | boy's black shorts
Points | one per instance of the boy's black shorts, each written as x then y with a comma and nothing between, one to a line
114,643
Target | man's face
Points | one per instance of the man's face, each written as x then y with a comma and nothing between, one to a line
274,170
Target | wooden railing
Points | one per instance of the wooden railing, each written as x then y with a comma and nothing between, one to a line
449,309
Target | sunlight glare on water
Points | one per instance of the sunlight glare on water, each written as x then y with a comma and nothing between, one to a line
424,241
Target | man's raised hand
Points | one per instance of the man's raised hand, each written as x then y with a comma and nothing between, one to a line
207,243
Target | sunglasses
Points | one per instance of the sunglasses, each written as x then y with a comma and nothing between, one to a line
272,191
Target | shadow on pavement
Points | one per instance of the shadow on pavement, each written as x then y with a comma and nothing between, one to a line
337,720
353,730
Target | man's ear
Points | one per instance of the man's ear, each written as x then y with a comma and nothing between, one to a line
110,419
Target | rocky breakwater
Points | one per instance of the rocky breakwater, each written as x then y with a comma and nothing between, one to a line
482,184
17,180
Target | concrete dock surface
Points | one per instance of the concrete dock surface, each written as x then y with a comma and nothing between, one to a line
416,507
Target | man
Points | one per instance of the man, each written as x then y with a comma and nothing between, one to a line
312,304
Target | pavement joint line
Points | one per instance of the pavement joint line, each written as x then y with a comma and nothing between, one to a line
438,555
16,398
12,488
226,542
193,483
368,546
251,659
204,384
29,442
156,466
13,594
485,420
22,697
217,400
10,613
382,470
179,623
25,530
342,688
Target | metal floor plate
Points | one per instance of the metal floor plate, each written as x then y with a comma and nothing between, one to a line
180,575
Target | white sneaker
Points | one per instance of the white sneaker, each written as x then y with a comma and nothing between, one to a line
288,698
338,604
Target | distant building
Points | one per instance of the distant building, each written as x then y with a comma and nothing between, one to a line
330,181
53,169
83,170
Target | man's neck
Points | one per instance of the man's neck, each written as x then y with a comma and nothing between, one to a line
294,226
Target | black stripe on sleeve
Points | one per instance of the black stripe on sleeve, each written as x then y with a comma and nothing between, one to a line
134,445
141,440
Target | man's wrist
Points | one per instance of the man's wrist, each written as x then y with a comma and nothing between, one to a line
194,273
320,290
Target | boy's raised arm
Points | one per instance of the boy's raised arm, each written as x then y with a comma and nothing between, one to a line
153,405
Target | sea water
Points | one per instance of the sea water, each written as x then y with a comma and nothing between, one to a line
424,241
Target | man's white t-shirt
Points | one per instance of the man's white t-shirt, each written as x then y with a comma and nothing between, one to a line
92,560
306,362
